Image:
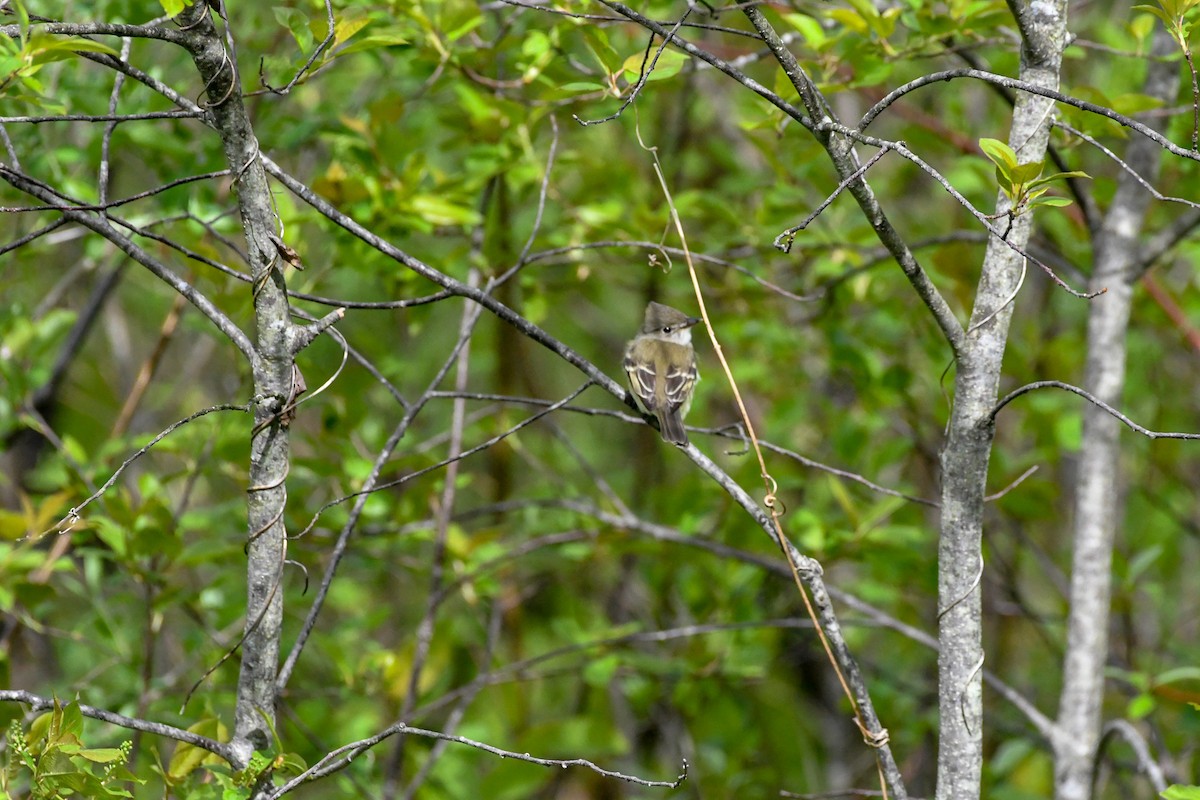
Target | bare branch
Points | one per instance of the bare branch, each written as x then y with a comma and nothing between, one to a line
1029,387
182,114
1123,729
73,515
89,29
1024,86
302,337
709,58
340,758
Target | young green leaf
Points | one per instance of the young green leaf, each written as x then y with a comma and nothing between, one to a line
1000,153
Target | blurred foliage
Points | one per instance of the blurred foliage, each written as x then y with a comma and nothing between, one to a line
433,123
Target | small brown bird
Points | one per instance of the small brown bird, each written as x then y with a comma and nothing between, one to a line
661,366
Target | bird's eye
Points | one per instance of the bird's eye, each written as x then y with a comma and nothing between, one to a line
667,329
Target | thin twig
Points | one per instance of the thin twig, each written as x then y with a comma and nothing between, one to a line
643,75
341,757
1029,387
73,515
784,240
330,36
1124,729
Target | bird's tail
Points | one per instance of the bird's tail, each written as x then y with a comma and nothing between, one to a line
671,427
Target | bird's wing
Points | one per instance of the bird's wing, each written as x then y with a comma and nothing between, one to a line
680,380
641,381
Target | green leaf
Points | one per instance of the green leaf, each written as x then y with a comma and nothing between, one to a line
1051,201
39,729
1059,176
535,45
348,23
1004,181
1141,706
1000,153
809,28
1141,27
1158,12
174,7
22,21
440,211
44,49
850,19
72,720
1177,674
290,764
668,65
1022,174
865,9
187,757
1068,430
374,42
79,45
1179,792
297,23
596,41
580,87
101,755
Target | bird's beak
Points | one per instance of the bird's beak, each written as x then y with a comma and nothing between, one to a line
692,321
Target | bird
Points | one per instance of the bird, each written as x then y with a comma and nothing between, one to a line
661,366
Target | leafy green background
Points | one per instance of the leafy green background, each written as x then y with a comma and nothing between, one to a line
432,123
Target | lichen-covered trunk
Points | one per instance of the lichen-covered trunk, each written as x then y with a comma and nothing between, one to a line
969,437
272,369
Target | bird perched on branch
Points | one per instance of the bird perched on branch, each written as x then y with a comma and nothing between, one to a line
661,365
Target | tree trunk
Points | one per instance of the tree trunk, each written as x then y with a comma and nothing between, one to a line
272,367
1097,507
970,433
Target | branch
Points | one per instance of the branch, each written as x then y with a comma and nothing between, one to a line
663,533
171,35
643,75
1166,239
455,287
1013,395
370,486
1129,170
1121,728
444,510
662,248
183,114
340,758
131,723
73,515
1014,83
302,336
330,36
845,161
984,219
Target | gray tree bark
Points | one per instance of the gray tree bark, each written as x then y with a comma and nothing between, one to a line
277,341
1116,266
970,433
